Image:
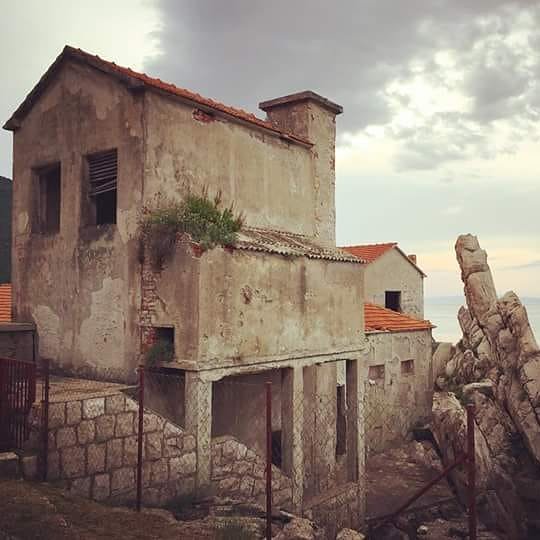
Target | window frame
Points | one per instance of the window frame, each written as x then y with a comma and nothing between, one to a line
93,200
41,223
394,295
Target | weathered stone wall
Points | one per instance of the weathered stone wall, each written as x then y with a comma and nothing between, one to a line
392,272
239,473
80,285
93,451
398,392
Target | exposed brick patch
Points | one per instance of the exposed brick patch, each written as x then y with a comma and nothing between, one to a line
204,117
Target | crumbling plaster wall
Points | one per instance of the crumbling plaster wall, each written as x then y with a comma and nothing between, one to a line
392,272
243,307
80,285
396,398
256,305
270,180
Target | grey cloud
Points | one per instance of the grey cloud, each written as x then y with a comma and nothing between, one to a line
242,52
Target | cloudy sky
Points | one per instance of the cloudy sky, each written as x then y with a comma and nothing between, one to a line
440,131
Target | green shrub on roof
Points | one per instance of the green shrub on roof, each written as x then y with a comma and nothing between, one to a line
203,218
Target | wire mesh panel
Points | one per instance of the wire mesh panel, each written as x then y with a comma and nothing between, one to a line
17,394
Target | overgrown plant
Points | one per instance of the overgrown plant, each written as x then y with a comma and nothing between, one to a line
203,218
160,351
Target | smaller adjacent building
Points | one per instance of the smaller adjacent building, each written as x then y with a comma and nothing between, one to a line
392,278
398,349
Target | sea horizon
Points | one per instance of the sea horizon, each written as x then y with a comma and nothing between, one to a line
442,312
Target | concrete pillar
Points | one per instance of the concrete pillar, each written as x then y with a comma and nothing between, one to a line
325,426
198,408
292,426
357,372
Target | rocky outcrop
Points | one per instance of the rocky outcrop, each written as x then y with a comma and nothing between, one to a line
496,365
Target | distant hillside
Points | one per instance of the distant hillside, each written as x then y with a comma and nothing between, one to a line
5,229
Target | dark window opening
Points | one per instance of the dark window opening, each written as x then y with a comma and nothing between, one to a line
376,373
103,172
407,367
162,349
341,422
49,202
393,300
165,334
276,448
105,208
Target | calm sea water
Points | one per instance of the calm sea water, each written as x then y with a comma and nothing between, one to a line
442,312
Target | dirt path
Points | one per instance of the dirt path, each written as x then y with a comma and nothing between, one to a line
39,511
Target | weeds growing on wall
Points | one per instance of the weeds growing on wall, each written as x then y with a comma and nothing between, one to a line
160,351
202,217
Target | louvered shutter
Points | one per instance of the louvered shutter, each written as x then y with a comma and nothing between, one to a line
103,168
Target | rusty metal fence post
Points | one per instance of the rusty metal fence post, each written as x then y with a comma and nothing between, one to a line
45,420
268,460
140,434
471,472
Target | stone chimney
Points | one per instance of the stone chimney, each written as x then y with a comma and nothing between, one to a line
313,117
412,258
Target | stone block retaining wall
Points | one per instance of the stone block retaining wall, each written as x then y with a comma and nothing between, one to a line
93,451
239,473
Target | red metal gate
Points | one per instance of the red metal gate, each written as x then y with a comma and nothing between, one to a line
17,394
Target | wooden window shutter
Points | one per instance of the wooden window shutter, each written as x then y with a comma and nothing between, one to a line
103,171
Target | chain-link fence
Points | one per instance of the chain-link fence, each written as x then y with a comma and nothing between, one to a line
290,437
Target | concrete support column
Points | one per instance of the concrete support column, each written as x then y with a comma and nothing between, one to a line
325,426
357,373
198,408
292,427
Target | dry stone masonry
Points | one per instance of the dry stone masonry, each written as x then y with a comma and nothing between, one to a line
238,472
93,450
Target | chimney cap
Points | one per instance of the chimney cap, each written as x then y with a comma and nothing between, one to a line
306,95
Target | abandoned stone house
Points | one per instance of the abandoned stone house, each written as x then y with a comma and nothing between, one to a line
94,143
398,348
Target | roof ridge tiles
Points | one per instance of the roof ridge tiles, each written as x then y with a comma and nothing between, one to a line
152,82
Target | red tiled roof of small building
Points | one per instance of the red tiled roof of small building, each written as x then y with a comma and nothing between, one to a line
144,80
369,252
380,319
5,302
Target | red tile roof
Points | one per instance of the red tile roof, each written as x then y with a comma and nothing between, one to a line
377,319
141,80
5,302
369,252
